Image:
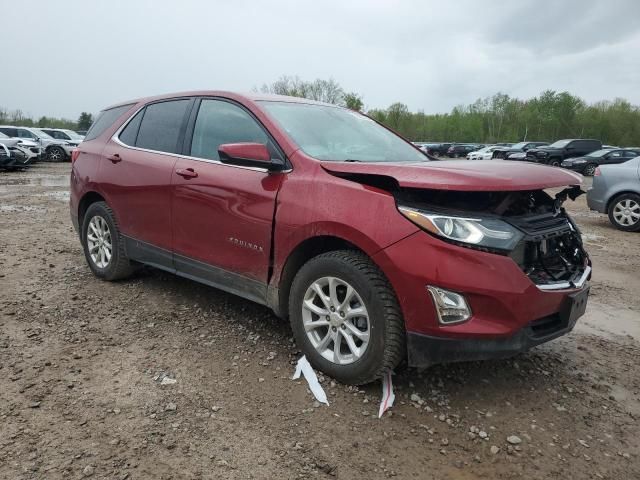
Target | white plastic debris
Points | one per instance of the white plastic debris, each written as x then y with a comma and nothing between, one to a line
388,396
303,367
168,381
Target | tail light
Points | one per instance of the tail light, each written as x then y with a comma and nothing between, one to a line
597,173
75,153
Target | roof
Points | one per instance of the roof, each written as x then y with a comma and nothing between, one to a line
250,96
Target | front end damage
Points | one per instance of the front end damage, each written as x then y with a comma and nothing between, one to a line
549,251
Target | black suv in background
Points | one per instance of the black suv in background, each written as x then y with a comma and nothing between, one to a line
437,149
455,151
555,153
503,153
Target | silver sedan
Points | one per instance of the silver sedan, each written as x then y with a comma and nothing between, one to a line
616,192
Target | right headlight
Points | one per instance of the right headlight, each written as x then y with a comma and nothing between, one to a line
482,232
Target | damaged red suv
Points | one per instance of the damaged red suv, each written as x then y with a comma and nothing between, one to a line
373,252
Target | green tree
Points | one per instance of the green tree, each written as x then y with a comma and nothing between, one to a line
353,101
84,121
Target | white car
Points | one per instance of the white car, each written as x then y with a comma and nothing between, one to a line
31,149
64,134
55,150
483,154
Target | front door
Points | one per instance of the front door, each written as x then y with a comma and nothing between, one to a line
223,214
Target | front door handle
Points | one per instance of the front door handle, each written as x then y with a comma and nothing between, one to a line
186,172
115,158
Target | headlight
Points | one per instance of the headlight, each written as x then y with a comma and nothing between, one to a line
482,232
576,162
542,154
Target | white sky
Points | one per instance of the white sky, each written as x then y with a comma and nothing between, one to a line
65,56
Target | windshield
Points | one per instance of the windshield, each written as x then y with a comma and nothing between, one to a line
560,144
73,135
520,145
338,134
599,153
41,133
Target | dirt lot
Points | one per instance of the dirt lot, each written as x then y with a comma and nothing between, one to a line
82,363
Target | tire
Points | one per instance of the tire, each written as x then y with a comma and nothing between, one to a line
624,212
385,347
118,265
554,162
590,169
56,154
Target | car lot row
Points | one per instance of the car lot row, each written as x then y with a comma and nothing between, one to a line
22,146
580,155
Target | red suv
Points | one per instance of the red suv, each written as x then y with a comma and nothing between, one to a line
373,252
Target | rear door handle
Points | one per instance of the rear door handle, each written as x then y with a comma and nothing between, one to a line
115,158
186,172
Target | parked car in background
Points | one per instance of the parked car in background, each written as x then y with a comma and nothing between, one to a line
247,193
558,151
517,148
31,149
437,149
63,134
485,153
587,165
461,150
54,150
616,192
12,158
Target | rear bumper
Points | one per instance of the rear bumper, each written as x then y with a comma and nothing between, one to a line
596,201
426,350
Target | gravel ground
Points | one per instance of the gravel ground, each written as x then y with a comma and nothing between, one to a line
82,364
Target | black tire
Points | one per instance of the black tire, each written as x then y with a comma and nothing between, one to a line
56,154
119,266
554,162
387,346
590,169
631,199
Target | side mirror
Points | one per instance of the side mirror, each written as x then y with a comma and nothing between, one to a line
248,155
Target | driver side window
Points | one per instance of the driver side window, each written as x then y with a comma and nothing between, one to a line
221,122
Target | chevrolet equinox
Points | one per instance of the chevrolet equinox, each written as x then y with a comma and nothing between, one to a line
375,253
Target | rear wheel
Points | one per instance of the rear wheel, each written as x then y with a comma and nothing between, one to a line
624,212
346,318
103,245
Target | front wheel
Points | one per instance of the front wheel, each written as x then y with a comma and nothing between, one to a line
624,212
590,169
345,317
554,162
56,154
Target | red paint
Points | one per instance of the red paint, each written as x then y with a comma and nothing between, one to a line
230,218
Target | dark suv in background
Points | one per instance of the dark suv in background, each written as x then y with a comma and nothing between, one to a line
555,153
461,150
522,147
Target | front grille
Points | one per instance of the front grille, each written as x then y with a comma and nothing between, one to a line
551,253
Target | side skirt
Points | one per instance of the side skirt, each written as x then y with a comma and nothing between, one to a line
201,272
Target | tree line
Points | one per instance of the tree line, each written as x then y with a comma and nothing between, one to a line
18,117
500,118
548,117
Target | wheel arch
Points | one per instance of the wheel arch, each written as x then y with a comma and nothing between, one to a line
614,196
298,256
87,199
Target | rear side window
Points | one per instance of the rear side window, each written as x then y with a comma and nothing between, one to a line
129,135
221,122
630,154
104,120
160,126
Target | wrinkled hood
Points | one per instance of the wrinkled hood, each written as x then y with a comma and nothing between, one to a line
462,175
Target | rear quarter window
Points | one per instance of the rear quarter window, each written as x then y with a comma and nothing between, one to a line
161,125
104,120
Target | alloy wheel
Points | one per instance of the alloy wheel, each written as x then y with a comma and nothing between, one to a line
99,242
627,212
590,170
55,154
336,320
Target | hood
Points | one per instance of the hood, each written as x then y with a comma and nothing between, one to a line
462,175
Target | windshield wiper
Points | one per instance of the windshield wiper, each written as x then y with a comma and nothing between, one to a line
351,160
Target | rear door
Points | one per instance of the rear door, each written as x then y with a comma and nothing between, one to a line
223,214
136,172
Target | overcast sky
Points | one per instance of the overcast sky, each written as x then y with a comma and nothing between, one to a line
66,56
